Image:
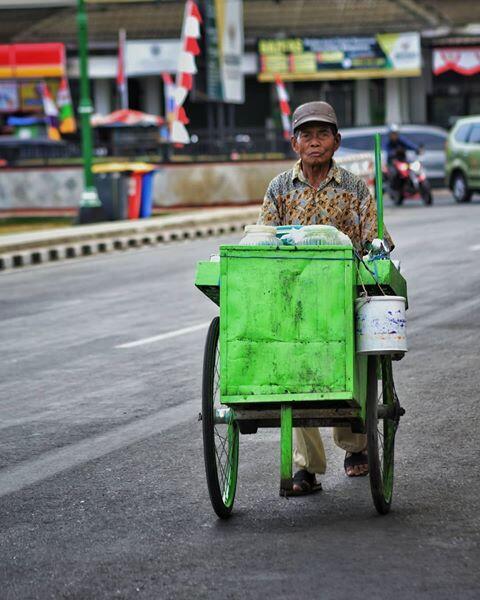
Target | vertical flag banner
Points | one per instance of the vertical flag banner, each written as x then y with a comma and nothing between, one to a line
170,105
51,112
122,84
283,101
186,70
65,108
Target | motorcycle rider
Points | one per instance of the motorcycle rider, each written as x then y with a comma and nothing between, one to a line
396,147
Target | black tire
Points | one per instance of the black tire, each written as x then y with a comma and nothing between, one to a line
381,430
220,441
397,196
426,193
460,190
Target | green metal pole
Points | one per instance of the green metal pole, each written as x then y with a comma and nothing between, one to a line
379,185
89,197
286,449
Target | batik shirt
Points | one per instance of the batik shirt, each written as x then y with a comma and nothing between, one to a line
342,200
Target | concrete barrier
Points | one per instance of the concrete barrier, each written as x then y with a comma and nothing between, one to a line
175,185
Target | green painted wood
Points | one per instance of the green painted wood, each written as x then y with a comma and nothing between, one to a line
287,322
286,447
321,396
207,279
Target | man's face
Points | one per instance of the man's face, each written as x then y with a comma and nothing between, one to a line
315,143
394,136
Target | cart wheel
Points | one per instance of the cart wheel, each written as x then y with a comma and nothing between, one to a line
220,440
383,415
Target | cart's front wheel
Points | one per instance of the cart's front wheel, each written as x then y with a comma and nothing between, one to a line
383,415
220,440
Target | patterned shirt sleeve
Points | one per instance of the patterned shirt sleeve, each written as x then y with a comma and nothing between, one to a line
368,218
269,214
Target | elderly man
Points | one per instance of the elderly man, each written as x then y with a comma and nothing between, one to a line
318,191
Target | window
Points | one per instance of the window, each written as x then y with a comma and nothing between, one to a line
474,137
431,141
462,132
358,142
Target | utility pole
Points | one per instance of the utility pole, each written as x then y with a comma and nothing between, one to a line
90,205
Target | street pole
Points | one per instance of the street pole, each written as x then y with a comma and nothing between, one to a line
90,205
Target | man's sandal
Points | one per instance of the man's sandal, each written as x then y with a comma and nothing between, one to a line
356,459
304,483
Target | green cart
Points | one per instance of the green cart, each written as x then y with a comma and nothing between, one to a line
282,354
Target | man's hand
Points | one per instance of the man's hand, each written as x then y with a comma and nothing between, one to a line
378,247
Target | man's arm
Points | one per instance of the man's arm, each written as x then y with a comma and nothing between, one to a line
368,219
269,214
408,144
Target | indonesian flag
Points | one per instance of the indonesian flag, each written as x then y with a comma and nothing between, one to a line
65,107
122,84
51,112
186,70
283,101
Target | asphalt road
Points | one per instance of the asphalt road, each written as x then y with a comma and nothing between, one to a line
102,488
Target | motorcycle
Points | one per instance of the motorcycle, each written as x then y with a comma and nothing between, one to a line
408,180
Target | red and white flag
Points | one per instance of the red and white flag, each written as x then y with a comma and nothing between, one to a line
122,83
283,101
186,70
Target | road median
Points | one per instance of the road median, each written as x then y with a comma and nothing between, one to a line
36,247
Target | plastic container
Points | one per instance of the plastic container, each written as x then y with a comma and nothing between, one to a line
259,235
381,326
284,229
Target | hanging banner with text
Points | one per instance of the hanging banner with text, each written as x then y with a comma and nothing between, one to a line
363,57
224,50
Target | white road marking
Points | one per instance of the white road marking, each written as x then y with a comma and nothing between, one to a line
49,464
164,336
476,247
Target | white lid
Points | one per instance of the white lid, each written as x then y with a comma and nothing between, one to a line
260,229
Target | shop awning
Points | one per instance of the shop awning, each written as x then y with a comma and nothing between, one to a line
22,61
126,117
465,61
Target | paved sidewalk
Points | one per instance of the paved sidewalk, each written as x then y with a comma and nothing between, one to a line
22,249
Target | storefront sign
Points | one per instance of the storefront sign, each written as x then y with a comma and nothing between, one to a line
302,59
465,61
32,60
8,96
152,57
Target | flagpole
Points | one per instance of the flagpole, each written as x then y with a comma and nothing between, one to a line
89,199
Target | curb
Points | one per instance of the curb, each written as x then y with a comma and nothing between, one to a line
54,252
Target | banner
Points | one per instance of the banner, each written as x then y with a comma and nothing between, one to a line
9,101
151,57
224,50
122,83
365,57
465,61
66,115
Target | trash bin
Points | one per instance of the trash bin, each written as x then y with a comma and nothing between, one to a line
134,194
112,190
146,203
119,187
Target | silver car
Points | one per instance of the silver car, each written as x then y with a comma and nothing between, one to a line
432,139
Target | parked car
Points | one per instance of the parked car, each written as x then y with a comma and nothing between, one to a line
462,172
432,139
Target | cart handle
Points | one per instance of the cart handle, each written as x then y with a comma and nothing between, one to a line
379,185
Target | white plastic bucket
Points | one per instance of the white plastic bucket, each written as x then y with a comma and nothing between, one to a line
381,326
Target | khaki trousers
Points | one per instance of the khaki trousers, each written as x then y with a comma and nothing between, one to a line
308,450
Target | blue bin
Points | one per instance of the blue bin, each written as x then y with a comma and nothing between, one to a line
146,201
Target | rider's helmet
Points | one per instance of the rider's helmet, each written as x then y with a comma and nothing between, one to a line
393,128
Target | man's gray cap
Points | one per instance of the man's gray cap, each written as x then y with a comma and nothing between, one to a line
314,111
